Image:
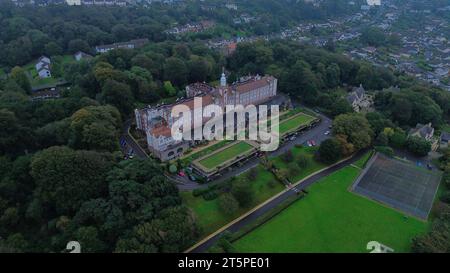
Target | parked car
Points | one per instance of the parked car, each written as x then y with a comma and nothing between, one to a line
182,174
327,133
192,178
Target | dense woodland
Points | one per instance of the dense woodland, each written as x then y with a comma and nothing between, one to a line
28,33
62,175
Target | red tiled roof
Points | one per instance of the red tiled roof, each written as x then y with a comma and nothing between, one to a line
206,100
253,84
161,131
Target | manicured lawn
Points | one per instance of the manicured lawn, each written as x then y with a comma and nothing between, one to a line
293,123
191,157
227,154
210,217
332,219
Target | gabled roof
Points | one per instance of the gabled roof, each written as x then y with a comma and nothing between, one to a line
423,130
445,137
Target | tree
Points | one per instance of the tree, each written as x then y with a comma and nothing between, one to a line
418,145
330,151
53,49
78,45
175,71
95,127
89,241
228,204
293,169
19,76
66,178
169,89
288,156
398,139
355,128
252,174
302,161
373,36
12,135
382,139
436,241
242,191
119,95
199,69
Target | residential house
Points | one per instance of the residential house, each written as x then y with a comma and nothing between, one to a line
444,140
43,67
425,131
360,100
138,43
82,56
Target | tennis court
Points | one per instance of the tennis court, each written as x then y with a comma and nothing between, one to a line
399,184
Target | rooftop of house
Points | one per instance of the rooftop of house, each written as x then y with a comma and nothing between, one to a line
445,137
424,130
162,130
82,54
356,94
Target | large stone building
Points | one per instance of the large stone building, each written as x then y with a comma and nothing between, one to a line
157,121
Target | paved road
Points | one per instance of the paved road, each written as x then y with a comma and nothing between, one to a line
138,151
272,204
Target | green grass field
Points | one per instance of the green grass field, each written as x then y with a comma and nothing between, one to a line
332,219
225,155
294,123
197,154
209,216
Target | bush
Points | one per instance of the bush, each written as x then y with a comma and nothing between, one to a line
293,169
252,174
228,204
385,150
210,195
243,192
287,157
272,183
445,197
330,151
173,169
199,192
418,146
302,161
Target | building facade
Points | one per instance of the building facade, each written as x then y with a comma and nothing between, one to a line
157,121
